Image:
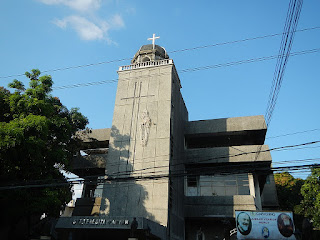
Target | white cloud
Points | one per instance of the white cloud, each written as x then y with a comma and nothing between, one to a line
88,30
60,23
117,21
131,10
79,5
85,21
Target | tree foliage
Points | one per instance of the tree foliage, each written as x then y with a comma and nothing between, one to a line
310,204
300,196
288,190
37,133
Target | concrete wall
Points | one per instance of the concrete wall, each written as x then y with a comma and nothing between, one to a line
140,90
226,125
88,162
102,134
223,206
228,154
226,158
179,118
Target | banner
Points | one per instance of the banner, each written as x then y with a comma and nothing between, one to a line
264,225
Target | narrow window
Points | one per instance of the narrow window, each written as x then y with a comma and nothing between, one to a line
192,181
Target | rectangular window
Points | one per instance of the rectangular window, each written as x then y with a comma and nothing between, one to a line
218,185
192,181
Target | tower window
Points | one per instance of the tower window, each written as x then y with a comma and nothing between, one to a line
145,59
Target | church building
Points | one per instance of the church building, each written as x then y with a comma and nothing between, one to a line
156,175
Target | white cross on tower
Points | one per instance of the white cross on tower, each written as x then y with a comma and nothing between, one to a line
153,39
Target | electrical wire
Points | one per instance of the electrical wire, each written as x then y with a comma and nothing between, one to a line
290,27
289,134
174,51
44,183
145,159
228,64
223,171
205,158
298,160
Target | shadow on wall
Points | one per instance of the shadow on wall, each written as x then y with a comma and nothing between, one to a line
123,195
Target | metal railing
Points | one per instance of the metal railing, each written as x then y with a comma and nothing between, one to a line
146,64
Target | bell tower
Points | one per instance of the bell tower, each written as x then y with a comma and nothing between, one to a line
149,111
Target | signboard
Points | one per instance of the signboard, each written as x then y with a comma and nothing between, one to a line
264,225
97,222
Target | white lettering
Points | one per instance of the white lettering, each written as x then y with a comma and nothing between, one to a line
99,221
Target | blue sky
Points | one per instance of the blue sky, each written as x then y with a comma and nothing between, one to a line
52,34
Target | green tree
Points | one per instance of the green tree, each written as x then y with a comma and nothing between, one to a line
37,134
288,190
310,204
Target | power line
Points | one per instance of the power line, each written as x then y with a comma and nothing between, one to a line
289,134
228,64
301,148
298,160
72,67
208,158
44,183
85,84
252,60
219,158
290,27
144,160
174,51
241,40
170,175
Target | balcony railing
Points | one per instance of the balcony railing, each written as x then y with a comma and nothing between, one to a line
146,64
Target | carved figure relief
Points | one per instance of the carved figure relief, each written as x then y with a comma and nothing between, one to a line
145,125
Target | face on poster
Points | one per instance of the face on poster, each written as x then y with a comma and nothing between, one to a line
264,225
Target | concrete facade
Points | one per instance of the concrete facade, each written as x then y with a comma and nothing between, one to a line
143,100
175,176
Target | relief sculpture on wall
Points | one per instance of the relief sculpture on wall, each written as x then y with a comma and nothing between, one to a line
145,125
